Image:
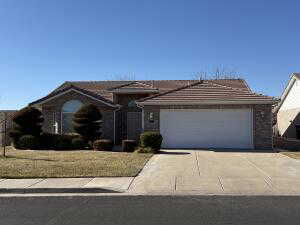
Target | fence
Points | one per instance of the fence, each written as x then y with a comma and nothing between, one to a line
287,143
5,125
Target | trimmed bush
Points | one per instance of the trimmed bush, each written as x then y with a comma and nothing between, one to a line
152,140
145,150
79,143
27,121
28,142
63,142
87,121
103,145
128,145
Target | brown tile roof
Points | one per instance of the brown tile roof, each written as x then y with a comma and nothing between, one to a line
102,87
173,90
204,91
135,85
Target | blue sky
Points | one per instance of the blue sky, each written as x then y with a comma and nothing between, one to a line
44,43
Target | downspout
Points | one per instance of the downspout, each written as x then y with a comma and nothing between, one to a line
143,115
119,107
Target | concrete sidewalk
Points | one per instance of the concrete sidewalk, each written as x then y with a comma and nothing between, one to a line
66,185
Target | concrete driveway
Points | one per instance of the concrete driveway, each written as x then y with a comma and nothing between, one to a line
212,172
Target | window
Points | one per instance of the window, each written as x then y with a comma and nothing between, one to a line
131,104
68,110
151,117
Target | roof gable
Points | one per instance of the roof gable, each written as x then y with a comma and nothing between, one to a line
294,78
134,86
76,89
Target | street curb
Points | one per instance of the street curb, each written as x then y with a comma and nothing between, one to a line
56,190
124,194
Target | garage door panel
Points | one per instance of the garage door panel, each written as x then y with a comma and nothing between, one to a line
206,128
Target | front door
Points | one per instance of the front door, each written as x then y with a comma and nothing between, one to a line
134,125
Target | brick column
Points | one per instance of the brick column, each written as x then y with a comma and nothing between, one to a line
262,127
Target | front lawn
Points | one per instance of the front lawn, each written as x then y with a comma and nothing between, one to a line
32,164
294,155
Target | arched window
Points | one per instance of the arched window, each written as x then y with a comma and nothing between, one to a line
67,113
131,104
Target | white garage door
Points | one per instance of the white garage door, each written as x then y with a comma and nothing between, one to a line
206,128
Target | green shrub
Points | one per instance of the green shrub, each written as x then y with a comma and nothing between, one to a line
145,150
63,142
27,121
28,142
15,135
48,140
128,145
86,122
103,145
152,140
78,143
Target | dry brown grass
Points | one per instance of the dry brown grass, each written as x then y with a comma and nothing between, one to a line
294,155
32,164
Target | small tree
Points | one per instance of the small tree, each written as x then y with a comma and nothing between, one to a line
87,122
27,121
220,72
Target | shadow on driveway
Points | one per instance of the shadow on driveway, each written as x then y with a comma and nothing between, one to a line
177,151
56,190
162,152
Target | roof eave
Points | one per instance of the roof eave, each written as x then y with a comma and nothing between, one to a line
211,102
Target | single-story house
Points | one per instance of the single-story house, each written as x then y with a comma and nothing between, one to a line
221,113
288,110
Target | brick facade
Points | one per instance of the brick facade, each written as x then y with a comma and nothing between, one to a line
151,125
262,126
114,120
262,120
287,143
52,112
120,129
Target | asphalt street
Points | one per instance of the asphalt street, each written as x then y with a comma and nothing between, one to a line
137,210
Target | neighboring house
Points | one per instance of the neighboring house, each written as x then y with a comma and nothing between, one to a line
3,133
288,110
221,113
